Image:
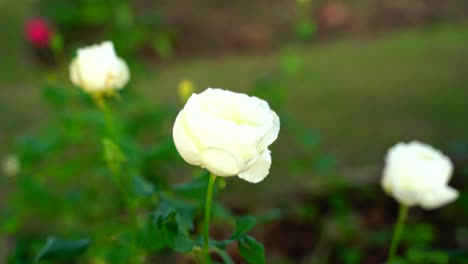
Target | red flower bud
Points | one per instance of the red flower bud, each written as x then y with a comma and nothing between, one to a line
38,32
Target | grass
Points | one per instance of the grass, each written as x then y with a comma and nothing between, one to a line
362,96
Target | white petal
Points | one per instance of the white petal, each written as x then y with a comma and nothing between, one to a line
212,132
386,184
185,143
437,198
123,75
220,162
405,196
272,133
259,170
231,130
98,68
74,74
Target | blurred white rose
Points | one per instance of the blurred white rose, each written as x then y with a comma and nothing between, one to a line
97,68
227,133
416,174
10,165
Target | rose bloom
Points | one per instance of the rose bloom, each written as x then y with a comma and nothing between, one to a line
11,165
416,174
227,133
98,69
38,32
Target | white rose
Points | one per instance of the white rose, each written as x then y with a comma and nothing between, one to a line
97,68
417,174
11,165
227,133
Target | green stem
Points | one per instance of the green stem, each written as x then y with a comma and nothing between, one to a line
199,255
124,182
225,256
206,231
398,231
107,117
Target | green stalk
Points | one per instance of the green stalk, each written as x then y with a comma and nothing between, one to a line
206,231
398,231
124,182
101,102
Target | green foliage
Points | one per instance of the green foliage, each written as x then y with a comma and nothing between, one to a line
55,96
251,250
244,225
63,170
416,256
65,183
419,235
58,248
225,257
113,154
306,29
142,187
292,63
172,231
131,27
195,189
350,255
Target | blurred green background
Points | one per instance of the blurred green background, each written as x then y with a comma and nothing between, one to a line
349,79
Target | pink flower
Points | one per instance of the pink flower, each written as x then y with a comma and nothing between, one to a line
38,32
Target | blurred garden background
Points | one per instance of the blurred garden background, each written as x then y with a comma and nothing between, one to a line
348,79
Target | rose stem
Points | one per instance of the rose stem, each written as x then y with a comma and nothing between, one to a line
398,231
206,231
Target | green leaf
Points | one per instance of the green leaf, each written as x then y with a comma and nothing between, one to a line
419,235
31,149
351,255
325,163
309,138
163,217
225,257
149,237
56,96
221,244
219,211
251,250
244,225
417,256
113,154
185,213
119,250
271,216
57,248
182,243
112,151
195,188
173,228
142,187
56,43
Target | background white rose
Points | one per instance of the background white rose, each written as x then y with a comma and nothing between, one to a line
227,133
417,174
11,165
97,68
